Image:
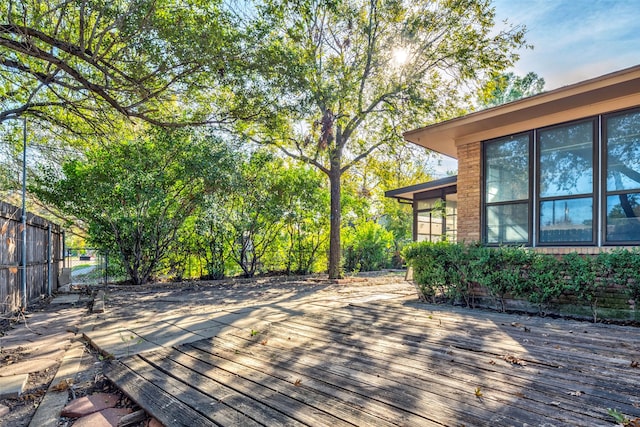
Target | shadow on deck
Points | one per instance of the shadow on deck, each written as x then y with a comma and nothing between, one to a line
387,363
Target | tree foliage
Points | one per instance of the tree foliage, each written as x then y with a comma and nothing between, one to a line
508,87
81,65
347,77
136,194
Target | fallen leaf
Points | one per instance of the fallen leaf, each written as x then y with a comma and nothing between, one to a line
63,385
635,364
263,342
513,360
298,382
519,394
492,362
478,392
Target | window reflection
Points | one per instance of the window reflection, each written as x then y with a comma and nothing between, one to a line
508,223
623,152
507,169
568,220
436,219
623,217
566,160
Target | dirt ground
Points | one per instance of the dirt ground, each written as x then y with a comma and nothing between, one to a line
89,379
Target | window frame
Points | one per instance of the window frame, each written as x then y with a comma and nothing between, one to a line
438,193
528,201
538,200
603,179
600,192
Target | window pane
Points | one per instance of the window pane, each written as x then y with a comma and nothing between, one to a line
566,160
507,169
429,204
451,213
623,217
429,226
508,223
566,220
623,152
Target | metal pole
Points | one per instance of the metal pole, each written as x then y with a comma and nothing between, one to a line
24,214
106,268
49,253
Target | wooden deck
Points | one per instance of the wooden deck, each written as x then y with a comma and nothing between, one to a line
379,364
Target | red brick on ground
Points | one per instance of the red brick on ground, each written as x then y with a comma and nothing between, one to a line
89,404
106,418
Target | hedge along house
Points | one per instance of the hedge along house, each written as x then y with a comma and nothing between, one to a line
558,171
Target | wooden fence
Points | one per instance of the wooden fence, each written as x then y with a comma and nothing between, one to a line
44,257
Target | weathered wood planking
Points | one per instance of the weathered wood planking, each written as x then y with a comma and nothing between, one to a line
369,364
38,247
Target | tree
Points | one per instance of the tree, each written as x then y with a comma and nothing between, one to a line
347,77
74,64
508,87
305,218
134,195
252,210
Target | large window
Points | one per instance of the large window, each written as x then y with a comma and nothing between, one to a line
430,220
567,203
506,189
622,151
565,156
436,218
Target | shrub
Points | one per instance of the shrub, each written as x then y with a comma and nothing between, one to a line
623,268
451,270
367,247
581,279
442,269
502,271
543,283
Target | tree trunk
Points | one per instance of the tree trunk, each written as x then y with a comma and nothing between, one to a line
334,233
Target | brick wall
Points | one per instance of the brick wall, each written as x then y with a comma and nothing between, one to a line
469,197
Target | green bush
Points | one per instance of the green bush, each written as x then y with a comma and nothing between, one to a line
581,278
502,271
543,283
442,269
450,271
623,270
367,247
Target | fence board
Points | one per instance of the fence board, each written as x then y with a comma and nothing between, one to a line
38,273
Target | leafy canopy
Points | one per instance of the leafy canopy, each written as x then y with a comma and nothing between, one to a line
136,194
83,64
346,77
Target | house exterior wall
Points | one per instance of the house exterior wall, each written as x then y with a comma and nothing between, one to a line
469,192
470,183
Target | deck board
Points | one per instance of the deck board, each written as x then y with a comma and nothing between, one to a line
374,363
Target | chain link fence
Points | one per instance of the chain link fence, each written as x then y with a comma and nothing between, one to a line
88,266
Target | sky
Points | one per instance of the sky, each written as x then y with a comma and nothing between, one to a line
573,41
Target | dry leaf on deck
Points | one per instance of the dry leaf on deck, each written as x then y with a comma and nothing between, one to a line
513,360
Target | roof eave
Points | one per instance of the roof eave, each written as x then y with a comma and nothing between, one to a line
442,137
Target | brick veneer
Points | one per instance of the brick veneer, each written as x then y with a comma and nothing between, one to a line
469,197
